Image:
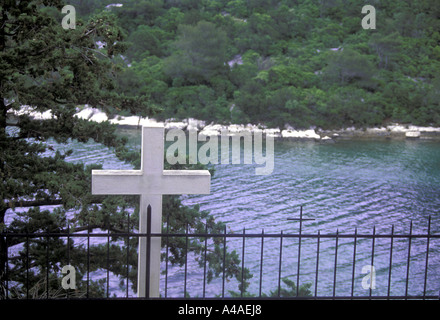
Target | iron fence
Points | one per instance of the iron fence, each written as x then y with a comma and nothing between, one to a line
267,265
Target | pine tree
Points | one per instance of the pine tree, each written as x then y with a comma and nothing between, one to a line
49,69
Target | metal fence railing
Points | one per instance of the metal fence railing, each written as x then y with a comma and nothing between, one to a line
225,265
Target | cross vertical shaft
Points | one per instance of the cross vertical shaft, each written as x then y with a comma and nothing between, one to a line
150,163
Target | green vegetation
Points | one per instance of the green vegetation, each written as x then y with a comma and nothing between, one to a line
52,69
291,72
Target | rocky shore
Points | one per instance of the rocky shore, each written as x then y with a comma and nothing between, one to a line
392,131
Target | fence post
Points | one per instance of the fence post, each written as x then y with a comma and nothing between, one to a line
4,265
299,245
147,269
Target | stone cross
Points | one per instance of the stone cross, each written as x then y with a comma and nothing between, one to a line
150,182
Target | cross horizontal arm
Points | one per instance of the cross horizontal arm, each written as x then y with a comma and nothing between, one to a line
135,182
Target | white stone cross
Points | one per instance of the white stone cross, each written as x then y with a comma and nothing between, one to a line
150,182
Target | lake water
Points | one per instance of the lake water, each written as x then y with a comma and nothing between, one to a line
343,186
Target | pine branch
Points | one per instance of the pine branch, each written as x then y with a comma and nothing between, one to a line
39,203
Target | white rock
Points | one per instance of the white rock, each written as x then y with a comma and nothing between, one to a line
411,128
423,129
276,133
209,132
430,129
214,127
272,131
307,134
289,134
376,130
99,116
195,123
327,139
237,60
42,116
235,128
175,125
114,5
23,110
148,121
312,134
30,111
132,121
127,121
397,128
191,127
412,134
85,113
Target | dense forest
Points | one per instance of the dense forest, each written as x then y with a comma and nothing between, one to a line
303,63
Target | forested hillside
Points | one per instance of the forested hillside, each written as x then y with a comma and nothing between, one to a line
276,62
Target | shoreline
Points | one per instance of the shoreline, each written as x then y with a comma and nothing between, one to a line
391,131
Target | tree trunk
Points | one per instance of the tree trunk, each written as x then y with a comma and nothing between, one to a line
3,255
3,208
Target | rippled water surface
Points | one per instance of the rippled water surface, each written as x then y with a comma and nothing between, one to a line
346,186
343,186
